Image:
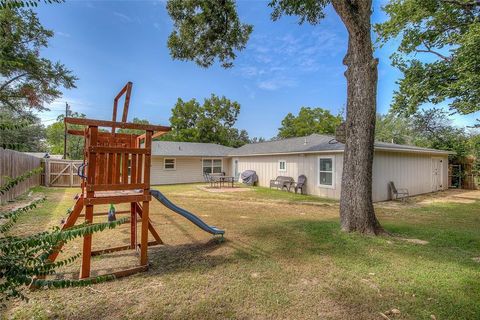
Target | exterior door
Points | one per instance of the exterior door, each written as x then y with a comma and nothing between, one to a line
437,174
235,169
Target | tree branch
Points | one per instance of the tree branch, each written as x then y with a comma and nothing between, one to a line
12,80
429,50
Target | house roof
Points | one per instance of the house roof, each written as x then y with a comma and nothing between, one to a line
189,149
317,143
314,143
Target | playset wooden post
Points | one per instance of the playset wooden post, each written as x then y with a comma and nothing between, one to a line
117,171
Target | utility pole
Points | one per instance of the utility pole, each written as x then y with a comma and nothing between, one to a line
67,107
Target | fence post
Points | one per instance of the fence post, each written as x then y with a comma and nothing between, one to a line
71,174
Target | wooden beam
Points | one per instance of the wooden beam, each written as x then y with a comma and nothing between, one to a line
127,101
102,134
117,199
123,125
115,187
150,226
96,214
103,149
87,239
155,135
123,273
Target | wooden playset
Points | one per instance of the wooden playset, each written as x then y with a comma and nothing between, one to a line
115,169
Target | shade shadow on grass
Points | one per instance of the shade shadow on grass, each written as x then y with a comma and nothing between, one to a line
438,278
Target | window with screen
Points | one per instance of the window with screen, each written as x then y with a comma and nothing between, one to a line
325,172
282,165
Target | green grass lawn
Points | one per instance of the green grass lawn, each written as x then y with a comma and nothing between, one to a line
284,257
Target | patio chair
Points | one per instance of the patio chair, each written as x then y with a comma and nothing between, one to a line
400,193
301,184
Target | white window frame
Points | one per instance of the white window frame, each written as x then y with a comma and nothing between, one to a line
174,164
211,161
279,168
332,186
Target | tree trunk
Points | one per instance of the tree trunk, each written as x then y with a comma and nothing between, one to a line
356,205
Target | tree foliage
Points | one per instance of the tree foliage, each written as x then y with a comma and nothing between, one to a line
205,30
55,137
21,131
13,4
437,54
393,128
309,121
211,122
28,81
430,129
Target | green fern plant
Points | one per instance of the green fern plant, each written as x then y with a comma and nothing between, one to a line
24,260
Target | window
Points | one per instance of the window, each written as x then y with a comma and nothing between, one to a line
282,165
169,164
325,172
212,165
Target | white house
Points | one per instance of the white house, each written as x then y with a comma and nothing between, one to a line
318,157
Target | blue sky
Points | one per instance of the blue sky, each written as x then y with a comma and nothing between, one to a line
285,65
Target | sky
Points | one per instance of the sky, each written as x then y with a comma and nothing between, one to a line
284,67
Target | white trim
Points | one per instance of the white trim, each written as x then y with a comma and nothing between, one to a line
278,166
174,164
211,159
333,172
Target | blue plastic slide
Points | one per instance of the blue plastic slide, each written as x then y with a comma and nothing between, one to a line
190,216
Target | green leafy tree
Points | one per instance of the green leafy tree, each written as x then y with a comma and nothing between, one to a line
29,136
55,137
393,128
433,129
257,140
212,122
474,143
28,81
208,30
438,53
309,121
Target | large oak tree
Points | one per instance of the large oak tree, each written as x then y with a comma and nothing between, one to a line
210,30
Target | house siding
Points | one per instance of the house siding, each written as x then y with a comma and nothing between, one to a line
412,171
187,170
297,164
408,170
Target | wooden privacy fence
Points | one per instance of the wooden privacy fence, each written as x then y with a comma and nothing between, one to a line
61,173
14,164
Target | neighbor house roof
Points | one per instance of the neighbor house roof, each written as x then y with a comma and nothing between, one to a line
189,149
317,143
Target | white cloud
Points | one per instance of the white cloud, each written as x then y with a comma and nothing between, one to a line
63,34
279,61
277,83
122,16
